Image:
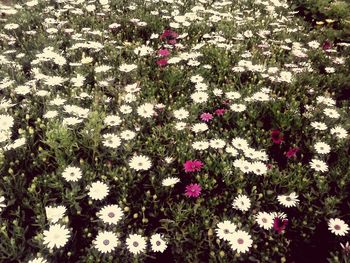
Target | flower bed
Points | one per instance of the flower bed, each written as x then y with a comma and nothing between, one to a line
172,131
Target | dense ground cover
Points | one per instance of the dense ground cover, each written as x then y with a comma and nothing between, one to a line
172,131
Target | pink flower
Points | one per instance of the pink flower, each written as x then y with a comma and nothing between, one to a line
276,136
193,190
206,116
292,152
164,52
162,62
193,166
220,112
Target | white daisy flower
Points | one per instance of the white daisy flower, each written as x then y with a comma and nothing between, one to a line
240,144
136,243
106,241
127,135
110,214
339,132
236,107
146,110
6,122
200,145
258,168
199,127
241,202
331,113
2,203
140,162
72,174
127,67
98,190
112,120
170,181
319,125
288,200
53,214
318,165
57,236
231,150
111,140
158,244
225,229
240,241
181,114
38,260
199,97
322,148
217,143
264,220
338,226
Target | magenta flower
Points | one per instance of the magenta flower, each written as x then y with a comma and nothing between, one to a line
220,112
279,224
276,136
193,190
206,116
292,152
164,52
193,166
162,62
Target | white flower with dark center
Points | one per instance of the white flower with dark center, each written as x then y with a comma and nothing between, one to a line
110,214
179,126
243,165
146,110
318,165
170,181
259,168
127,67
241,202
158,244
240,241
264,220
338,226
288,200
331,113
217,143
236,107
53,214
50,114
98,190
199,97
232,95
136,243
199,127
111,140
106,241
70,121
200,145
322,148
319,125
181,114
112,120
196,79
225,229
125,109
6,122
339,132
57,236
231,150
240,144
72,174
140,162
127,135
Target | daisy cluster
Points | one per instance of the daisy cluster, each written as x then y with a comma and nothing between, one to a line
204,131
